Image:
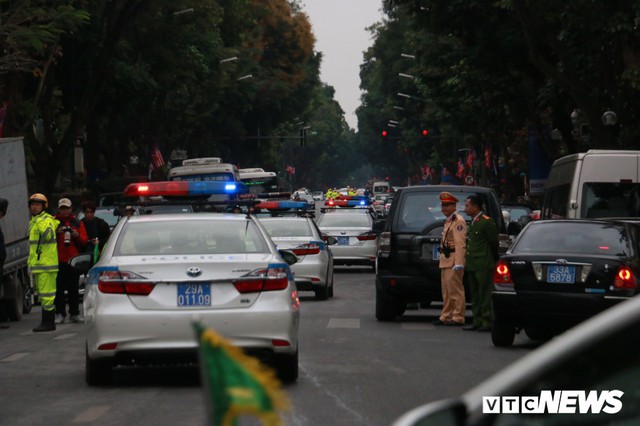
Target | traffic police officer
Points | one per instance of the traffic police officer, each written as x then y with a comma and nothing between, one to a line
482,254
452,252
43,258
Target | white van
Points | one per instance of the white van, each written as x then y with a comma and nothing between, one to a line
381,187
598,183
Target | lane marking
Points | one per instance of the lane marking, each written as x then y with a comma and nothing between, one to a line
64,336
15,357
344,323
91,414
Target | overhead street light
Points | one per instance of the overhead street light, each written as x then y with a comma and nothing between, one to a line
244,77
399,108
234,58
393,121
182,12
406,55
404,95
406,75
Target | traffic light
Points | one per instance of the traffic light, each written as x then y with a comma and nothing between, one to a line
424,133
384,134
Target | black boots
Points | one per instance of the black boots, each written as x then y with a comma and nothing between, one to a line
48,322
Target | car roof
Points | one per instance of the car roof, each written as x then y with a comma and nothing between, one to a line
447,188
189,217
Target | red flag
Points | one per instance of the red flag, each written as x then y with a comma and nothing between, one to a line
471,156
157,160
290,170
461,170
487,157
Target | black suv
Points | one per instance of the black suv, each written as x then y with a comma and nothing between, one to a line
407,261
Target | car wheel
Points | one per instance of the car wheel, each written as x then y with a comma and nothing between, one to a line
27,301
535,333
97,371
322,293
331,287
13,306
387,307
287,367
502,335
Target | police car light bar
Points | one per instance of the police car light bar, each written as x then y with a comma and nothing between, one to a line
283,205
184,188
348,203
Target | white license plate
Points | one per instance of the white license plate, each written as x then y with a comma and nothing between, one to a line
343,241
561,274
194,295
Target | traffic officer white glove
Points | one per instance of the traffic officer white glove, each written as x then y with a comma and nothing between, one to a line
458,268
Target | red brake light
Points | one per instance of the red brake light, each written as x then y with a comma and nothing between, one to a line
262,280
123,282
501,274
306,249
625,278
366,237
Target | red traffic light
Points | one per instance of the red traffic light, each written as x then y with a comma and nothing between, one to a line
425,132
385,133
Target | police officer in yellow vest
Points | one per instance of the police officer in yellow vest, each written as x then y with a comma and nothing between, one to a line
452,251
43,258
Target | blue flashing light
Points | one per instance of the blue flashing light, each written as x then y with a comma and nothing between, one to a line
184,188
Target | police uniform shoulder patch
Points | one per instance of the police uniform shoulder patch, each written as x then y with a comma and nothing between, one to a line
459,228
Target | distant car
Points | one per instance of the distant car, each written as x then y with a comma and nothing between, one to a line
314,269
593,359
318,195
378,203
558,273
158,272
300,196
357,243
515,212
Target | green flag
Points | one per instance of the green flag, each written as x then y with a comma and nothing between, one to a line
96,253
237,384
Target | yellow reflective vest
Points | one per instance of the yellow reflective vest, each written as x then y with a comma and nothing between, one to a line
43,249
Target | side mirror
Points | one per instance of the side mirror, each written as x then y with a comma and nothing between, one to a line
81,262
288,256
330,239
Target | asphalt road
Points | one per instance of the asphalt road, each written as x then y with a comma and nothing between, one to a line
353,369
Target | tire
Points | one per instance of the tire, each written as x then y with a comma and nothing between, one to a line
13,306
322,293
331,287
287,367
387,308
27,300
98,372
502,335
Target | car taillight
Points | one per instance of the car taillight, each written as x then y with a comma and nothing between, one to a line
502,276
625,278
124,282
306,249
269,279
366,237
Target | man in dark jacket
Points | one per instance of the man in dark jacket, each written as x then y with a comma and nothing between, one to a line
98,230
480,259
72,240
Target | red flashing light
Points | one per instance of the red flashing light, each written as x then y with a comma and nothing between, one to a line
385,133
425,132
501,274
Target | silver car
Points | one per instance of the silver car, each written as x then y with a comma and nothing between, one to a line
357,243
314,269
159,273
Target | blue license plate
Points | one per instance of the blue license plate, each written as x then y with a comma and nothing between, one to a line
194,295
343,241
436,253
561,274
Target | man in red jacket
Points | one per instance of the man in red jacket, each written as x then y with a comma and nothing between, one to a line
72,240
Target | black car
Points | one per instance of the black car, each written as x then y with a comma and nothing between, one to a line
407,263
558,273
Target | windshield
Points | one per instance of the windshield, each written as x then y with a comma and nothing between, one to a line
190,237
258,185
574,237
282,228
420,209
225,177
345,220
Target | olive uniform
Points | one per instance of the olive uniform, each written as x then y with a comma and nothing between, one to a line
452,253
481,257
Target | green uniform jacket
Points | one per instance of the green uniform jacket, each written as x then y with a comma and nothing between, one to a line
43,249
482,244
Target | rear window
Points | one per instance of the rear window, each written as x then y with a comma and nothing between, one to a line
190,237
345,220
419,209
574,237
280,228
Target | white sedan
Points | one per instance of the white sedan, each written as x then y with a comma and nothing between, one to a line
159,273
357,243
314,269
